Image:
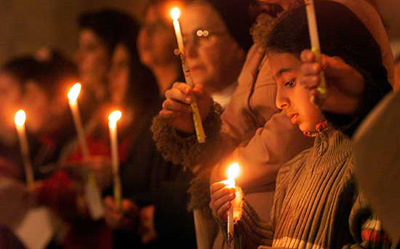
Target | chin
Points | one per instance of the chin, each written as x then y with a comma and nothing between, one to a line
306,127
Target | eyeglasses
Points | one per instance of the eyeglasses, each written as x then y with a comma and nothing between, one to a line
201,37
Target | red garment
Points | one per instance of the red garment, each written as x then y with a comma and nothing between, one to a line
101,147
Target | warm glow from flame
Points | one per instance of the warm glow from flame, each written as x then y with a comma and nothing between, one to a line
73,93
114,117
233,171
20,118
175,13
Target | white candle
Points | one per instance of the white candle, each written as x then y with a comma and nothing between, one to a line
315,46
19,120
233,172
198,125
112,124
73,95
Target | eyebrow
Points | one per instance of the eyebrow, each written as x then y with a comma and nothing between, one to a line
282,71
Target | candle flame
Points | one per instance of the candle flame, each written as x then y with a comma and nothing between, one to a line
233,171
20,118
73,93
175,13
114,117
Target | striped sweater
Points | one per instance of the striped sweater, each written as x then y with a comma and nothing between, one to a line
317,203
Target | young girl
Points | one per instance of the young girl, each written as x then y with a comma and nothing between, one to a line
317,203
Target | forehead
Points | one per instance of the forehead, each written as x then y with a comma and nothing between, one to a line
281,63
201,15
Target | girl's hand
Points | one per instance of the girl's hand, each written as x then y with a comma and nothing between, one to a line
345,85
221,198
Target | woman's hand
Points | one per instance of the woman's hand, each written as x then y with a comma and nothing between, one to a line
126,218
345,85
176,108
221,198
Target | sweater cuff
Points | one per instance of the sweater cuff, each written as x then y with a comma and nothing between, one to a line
253,229
185,150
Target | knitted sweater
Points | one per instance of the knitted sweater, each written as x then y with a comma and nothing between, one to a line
317,203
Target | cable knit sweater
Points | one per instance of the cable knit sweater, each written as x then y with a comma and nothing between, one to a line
317,203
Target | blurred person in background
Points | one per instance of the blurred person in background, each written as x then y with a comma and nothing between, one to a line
157,43
397,72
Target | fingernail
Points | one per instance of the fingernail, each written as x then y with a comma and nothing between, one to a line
188,99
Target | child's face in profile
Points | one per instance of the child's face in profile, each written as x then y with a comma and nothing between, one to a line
291,97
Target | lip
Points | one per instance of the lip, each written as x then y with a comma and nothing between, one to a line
293,117
196,68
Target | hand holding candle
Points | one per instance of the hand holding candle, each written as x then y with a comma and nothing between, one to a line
112,124
19,120
198,125
315,46
73,95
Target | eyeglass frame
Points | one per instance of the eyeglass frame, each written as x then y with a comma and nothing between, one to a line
201,35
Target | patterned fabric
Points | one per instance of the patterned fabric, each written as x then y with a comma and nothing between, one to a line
317,203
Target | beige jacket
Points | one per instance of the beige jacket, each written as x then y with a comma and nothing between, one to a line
264,137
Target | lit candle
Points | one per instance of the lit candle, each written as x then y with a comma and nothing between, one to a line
19,120
315,46
73,95
198,125
234,211
112,124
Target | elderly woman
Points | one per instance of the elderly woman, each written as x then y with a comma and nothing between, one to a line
259,136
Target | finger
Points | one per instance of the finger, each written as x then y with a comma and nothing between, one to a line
310,81
178,95
176,106
166,114
218,202
308,56
183,87
217,186
223,210
310,68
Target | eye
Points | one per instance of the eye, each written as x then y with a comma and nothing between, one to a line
289,83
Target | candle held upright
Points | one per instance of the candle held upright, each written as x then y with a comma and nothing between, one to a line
198,125
112,124
315,45
19,120
73,95
235,209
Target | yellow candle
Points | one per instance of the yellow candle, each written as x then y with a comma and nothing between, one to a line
112,124
233,172
198,125
73,95
19,120
315,46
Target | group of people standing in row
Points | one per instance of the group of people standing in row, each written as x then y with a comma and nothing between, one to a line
256,83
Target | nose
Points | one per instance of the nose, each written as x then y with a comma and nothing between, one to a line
281,101
190,48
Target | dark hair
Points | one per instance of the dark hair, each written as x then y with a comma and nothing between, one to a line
110,25
142,92
344,36
25,68
236,16
49,74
